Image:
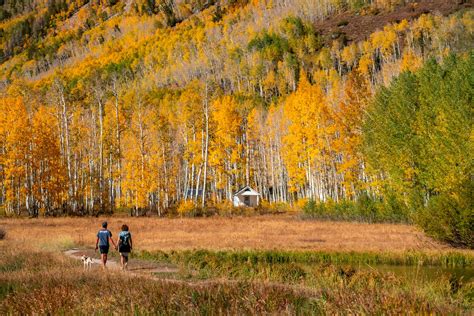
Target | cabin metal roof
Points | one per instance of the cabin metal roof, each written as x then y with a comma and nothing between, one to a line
246,191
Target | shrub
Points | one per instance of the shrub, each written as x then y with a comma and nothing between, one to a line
188,208
364,209
450,219
225,208
266,207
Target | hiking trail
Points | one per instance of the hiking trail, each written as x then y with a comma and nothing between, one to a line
135,266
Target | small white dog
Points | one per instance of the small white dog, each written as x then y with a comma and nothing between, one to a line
87,262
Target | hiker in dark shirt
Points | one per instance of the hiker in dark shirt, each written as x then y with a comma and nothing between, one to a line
104,237
124,242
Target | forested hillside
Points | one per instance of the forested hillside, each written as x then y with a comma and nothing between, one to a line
147,104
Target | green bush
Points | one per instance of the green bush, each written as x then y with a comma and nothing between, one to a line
418,134
364,209
450,219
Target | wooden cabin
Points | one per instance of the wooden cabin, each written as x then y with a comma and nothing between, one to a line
246,197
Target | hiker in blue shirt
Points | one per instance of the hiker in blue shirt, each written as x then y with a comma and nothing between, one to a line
124,242
102,243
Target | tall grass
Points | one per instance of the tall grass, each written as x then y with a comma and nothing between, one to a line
60,243
58,285
339,279
410,258
356,272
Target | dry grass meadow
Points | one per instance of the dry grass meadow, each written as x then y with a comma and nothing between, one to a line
36,277
223,233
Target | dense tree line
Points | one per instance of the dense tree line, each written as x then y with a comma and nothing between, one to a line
48,32
124,111
417,133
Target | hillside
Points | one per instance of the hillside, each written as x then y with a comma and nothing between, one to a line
55,33
142,105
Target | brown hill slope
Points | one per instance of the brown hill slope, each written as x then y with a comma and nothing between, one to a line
359,26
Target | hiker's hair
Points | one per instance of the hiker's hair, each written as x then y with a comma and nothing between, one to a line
125,227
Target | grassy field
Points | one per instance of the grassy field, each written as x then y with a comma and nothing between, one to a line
261,232
248,265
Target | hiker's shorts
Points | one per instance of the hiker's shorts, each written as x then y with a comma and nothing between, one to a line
125,254
104,249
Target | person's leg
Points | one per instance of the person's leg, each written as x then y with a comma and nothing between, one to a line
102,260
125,260
105,259
103,255
122,261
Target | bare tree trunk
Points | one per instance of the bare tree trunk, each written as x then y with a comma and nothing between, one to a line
66,139
206,148
101,154
166,186
142,151
119,140
247,160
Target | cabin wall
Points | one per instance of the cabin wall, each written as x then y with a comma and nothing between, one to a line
239,200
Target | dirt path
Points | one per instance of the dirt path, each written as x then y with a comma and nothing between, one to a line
149,270
135,266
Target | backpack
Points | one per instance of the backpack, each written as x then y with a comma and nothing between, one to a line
125,239
124,242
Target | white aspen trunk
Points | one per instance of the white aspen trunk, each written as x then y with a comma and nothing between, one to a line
186,170
198,183
198,180
111,186
310,180
166,201
262,170
186,181
206,148
65,124
91,184
247,162
191,184
274,186
76,178
118,136
101,154
142,153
